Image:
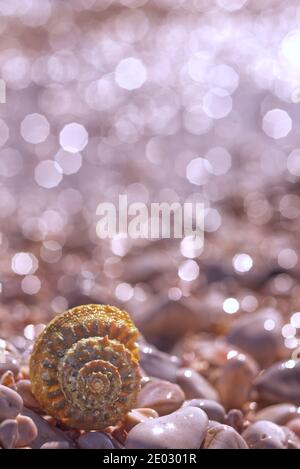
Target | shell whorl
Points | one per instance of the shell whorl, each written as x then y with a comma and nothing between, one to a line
84,366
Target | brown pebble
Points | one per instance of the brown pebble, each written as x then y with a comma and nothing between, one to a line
194,385
136,416
183,429
27,430
119,434
56,445
95,440
235,419
24,389
8,433
162,396
235,380
11,403
277,413
8,379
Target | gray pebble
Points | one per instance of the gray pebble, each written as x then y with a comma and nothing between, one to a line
213,409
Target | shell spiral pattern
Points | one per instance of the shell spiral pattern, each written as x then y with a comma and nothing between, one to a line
84,366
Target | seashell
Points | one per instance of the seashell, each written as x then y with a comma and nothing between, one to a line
84,367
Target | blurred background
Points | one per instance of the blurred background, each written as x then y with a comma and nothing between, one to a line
162,100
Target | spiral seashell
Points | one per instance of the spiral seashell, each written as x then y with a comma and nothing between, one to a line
84,367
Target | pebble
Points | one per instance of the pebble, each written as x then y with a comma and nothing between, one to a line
136,416
8,433
266,435
10,403
213,409
280,383
24,389
220,436
27,430
8,379
56,445
278,413
194,385
235,419
158,364
9,364
95,440
184,429
235,380
162,396
294,425
46,432
249,334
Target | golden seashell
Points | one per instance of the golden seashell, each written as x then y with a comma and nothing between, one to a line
84,367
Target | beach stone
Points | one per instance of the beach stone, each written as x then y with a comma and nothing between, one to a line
56,445
280,383
9,363
136,416
235,380
162,396
184,429
95,440
27,430
294,425
194,385
8,433
249,334
277,413
10,403
213,409
8,379
265,435
46,432
158,364
23,387
220,436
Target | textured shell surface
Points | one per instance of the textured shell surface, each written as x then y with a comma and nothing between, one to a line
84,366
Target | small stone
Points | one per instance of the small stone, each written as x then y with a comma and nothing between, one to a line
278,413
280,383
250,334
24,389
27,430
235,380
235,419
183,429
46,432
220,436
95,440
9,363
158,364
213,409
56,445
194,385
8,433
136,416
265,435
10,403
162,396
8,379
294,425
